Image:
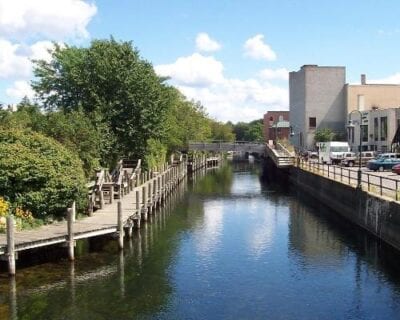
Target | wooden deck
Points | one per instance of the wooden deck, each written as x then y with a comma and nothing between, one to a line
137,198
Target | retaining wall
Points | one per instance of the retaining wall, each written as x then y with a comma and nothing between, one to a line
379,216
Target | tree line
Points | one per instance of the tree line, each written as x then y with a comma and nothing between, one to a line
93,106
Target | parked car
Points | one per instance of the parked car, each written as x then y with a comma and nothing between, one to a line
382,163
389,155
396,168
351,159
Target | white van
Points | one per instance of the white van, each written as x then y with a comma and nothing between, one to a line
332,152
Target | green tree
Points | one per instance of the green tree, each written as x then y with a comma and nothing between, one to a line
221,131
112,84
185,121
324,135
251,131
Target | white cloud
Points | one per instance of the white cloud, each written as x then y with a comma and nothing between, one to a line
224,98
277,74
49,18
392,79
206,44
15,59
256,48
195,70
11,63
19,90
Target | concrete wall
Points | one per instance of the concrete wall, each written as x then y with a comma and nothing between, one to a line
379,216
317,92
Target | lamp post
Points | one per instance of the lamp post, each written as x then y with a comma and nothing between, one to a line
351,125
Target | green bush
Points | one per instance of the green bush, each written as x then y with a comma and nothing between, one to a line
40,175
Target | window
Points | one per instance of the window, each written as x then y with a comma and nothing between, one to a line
364,133
351,134
383,128
312,122
280,118
376,129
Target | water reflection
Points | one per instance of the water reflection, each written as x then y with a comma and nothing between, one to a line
229,247
208,235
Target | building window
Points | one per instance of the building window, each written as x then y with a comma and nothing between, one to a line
312,122
383,128
376,129
351,134
280,118
364,133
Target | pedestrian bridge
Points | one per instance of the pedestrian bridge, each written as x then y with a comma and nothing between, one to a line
281,157
223,146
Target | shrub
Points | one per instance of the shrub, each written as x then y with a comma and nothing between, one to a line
39,175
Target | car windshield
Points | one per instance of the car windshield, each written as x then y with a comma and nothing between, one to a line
339,149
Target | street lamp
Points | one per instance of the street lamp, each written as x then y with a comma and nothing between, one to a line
349,126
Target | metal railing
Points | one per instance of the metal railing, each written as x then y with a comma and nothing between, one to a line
374,183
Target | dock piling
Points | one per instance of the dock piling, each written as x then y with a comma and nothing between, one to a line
10,245
120,227
70,236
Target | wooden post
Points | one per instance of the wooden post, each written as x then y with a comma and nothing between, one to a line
73,211
144,198
112,194
10,245
120,227
138,209
70,236
150,197
101,195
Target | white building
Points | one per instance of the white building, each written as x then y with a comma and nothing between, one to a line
378,128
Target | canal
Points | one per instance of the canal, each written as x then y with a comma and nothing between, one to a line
226,246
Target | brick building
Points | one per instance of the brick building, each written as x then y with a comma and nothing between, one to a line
276,125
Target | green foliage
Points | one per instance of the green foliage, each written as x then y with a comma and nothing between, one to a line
324,135
112,85
38,174
75,131
222,131
251,131
156,154
185,121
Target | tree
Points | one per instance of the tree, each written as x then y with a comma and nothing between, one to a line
221,131
251,131
112,85
324,135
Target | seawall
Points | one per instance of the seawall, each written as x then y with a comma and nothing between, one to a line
377,215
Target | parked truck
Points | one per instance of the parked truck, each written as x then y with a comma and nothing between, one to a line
332,152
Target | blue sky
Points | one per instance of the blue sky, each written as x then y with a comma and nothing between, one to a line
233,56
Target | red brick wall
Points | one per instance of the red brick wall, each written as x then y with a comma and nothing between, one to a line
270,118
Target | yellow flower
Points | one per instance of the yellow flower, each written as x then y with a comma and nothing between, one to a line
4,206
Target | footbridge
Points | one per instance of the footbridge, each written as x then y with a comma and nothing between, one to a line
278,153
225,146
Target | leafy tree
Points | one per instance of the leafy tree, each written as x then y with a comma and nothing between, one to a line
220,131
112,84
185,121
38,174
251,131
324,135
75,131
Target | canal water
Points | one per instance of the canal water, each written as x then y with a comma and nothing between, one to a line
225,246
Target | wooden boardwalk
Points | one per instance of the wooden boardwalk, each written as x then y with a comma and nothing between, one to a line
137,200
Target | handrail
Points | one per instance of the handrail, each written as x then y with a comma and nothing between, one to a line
386,186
